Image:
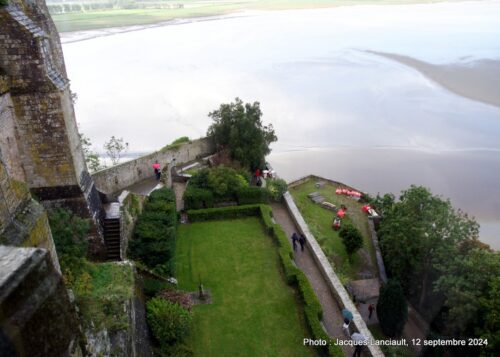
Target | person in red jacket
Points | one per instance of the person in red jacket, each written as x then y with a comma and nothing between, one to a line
156,168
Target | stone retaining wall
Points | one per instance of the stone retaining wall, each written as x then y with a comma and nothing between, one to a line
331,278
119,177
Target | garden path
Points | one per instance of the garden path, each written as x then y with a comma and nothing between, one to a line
332,315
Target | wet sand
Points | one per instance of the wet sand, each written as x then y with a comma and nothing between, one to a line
477,80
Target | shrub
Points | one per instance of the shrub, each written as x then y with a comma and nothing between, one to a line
224,182
177,297
70,233
176,143
197,198
277,187
153,241
163,194
392,309
223,213
168,321
351,238
252,195
153,286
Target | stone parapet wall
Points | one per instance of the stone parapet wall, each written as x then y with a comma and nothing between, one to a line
328,273
119,177
37,316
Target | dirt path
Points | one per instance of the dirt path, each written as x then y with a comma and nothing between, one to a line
332,316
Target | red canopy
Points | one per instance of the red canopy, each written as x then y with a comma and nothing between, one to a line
341,213
366,208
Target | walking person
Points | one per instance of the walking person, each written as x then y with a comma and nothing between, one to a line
295,239
302,241
156,168
370,311
345,327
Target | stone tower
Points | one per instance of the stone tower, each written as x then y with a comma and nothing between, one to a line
39,138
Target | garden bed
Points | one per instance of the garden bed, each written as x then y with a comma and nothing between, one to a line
319,220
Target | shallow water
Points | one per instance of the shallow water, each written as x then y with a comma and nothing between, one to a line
376,124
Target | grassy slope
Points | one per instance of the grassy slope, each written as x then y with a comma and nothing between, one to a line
101,298
320,222
254,312
114,18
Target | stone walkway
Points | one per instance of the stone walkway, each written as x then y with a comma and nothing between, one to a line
332,315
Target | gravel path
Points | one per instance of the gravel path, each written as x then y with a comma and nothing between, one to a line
332,316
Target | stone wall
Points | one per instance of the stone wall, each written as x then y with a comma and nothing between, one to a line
39,136
328,273
23,222
119,177
131,206
37,317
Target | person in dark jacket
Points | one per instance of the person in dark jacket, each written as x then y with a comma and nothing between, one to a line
302,241
295,239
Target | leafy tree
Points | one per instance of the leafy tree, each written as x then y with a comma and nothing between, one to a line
351,238
419,232
490,316
277,187
225,182
91,158
392,309
238,127
115,148
468,282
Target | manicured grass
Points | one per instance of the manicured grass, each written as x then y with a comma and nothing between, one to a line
320,222
253,311
127,17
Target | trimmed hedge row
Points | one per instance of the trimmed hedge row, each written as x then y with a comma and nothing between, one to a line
153,241
294,276
202,198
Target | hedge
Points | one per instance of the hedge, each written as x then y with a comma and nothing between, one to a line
294,276
197,198
153,242
252,195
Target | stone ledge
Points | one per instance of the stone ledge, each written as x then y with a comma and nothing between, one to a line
331,278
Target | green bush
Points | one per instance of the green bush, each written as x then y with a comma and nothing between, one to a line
198,198
163,194
176,143
152,287
168,321
153,242
392,309
252,195
277,187
210,214
351,238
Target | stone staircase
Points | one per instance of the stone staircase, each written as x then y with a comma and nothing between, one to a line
112,238
112,231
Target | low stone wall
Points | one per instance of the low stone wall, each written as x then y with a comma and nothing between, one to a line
121,176
37,316
331,278
378,254
131,206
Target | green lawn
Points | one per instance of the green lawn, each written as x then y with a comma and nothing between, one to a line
320,222
253,312
127,17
